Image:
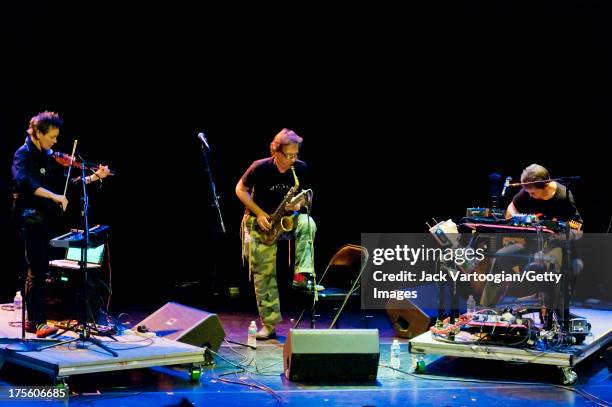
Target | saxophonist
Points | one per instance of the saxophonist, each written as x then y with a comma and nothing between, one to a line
265,189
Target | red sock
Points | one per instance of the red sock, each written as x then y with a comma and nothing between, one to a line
299,277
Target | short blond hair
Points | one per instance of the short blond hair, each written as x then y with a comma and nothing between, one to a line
282,138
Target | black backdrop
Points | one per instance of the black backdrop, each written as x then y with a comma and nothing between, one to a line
404,114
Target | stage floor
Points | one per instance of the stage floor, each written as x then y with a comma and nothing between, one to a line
449,380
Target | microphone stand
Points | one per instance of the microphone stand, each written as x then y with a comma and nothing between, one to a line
562,179
216,204
213,187
85,334
566,267
566,270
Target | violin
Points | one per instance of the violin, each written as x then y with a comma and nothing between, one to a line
67,161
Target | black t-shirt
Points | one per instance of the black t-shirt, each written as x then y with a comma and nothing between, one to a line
561,206
269,186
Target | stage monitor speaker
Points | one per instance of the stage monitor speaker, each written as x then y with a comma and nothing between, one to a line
185,324
321,355
607,357
407,318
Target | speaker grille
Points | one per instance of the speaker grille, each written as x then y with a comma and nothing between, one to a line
338,355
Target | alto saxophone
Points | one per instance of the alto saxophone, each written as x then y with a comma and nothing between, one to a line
279,222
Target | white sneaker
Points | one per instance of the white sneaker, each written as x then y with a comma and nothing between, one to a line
266,332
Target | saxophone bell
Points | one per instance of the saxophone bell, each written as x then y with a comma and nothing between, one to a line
286,223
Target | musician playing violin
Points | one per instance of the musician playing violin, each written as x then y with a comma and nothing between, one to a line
37,182
550,200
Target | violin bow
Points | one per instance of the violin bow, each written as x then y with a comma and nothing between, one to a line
70,167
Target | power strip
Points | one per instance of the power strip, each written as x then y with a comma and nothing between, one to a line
141,334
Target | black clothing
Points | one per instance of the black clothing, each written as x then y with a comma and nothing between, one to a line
36,218
33,168
560,207
269,186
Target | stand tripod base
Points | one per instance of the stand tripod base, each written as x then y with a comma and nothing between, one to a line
83,338
78,328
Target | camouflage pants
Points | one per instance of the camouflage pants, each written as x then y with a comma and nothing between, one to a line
262,263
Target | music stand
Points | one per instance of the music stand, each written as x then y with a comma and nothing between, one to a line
85,333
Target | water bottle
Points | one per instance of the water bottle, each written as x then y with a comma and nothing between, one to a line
471,305
251,338
414,360
18,307
395,354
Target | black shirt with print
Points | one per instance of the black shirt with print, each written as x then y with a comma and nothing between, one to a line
269,186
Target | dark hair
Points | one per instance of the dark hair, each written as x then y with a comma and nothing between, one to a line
534,173
43,120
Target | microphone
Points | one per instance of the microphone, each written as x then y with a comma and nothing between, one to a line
506,185
202,138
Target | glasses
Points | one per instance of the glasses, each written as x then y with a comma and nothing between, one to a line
290,156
